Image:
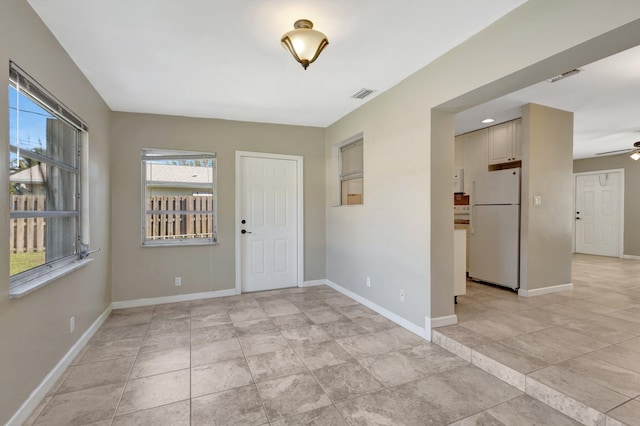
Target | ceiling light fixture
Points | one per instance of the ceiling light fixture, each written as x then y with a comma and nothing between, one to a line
488,120
636,155
304,43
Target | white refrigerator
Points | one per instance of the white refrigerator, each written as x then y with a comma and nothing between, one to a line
494,246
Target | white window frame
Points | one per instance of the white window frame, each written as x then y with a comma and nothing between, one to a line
150,154
354,140
27,281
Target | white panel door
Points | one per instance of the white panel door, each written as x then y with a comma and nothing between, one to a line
268,213
598,214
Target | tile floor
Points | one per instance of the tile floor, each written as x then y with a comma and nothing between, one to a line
578,351
307,356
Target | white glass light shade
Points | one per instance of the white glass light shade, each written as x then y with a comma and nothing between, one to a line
304,43
636,155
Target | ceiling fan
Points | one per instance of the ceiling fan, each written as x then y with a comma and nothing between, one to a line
635,155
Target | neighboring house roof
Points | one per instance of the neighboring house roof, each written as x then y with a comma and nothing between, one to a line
171,173
32,175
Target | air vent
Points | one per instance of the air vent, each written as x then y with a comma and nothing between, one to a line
564,75
362,93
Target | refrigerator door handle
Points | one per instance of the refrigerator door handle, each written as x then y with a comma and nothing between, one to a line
471,227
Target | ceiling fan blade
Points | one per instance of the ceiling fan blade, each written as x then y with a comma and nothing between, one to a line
613,152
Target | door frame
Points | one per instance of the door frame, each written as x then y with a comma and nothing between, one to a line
621,206
299,211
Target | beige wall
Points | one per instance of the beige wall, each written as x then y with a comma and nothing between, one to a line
390,237
149,272
545,244
631,193
34,330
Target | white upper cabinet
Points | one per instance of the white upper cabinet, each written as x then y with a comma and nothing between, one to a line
475,156
504,144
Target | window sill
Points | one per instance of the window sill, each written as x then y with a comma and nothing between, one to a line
180,244
26,287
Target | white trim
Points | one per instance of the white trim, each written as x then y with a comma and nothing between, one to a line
300,211
39,393
313,283
422,332
630,257
173,299
621,206
444,321
545,290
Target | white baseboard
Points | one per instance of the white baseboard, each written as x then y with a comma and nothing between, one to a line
630,257
422,332
312,283
173,299
545,290
38,394
444,321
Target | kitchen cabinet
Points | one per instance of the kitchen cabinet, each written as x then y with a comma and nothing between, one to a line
504,142
474,156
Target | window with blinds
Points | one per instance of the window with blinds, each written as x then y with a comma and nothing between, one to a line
352,173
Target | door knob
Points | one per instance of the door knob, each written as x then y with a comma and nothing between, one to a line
244,231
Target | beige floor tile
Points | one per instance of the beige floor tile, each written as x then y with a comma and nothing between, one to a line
163,342
311,305
364,345
306,334
83,376
378,408
432,359
341,329
154,391
291,395
630,314
291,321
255,327
175,326
480,419
627,413
110,350
398,338
222,350
176,414
526,411
465,336
392,369
277,310
346,381
263,343
151,363
554,345
434,402
127,317
324,354
578,387
355,311
272,365
323,316
119,333
325,416
373,323
621,380
479,387
492,329
598,332
620,356
241,406
246,314
221,376
207,320
81,407
633,344
512,358
201,336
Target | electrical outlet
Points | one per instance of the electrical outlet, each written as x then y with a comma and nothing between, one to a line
72,324
368,281
402,295
178,281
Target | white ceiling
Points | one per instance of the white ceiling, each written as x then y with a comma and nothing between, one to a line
604,97
223,59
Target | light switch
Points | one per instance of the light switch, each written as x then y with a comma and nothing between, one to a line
537,200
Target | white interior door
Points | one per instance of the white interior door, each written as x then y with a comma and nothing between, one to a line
598,213
268,214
